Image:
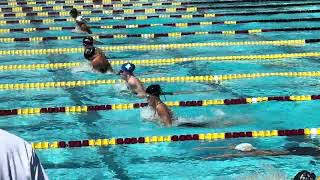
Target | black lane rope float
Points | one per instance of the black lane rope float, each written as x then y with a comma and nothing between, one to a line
185,24
159,35
97,2
142,17
161,10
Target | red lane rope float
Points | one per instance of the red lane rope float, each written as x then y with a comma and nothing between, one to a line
171,10
179,16
81,109
159,35
186,24
174,138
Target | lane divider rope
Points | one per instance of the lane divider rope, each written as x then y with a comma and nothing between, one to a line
130,106
169,61
143,17
97,6
159,35
174,138
152,10
53,2
26,52
185,24
204,78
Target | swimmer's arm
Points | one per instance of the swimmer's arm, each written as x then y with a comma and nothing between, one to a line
224,156
135,88
86,28
215,148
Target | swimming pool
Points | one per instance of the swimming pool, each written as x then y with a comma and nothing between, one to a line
169,160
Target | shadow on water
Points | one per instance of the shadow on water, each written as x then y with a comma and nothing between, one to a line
120,173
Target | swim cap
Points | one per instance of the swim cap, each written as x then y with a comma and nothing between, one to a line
305,175
87,41
128,67
154,90
73,12
89,52
80,19
244,147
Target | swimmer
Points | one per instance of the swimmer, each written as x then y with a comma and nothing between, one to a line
305,175
18,160
98,59
247,149
87,42
81,22
161,110
133,83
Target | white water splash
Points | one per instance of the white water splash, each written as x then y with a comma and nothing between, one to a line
219,112
120,87
84,67
147,114
270,173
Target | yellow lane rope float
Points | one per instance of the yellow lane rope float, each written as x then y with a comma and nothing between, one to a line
18,9
53,2
157,35
205,78
133,26
26,52
89,2
166,61
144,17
57,10
210,136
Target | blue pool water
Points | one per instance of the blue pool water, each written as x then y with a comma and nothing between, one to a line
179,160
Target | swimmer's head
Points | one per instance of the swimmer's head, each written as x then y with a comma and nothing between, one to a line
87,41
305,175
74,12
127,68
89,52
245,147
154,90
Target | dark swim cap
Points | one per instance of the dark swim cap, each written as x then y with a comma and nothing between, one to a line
73,12
128,67
89,52
305,175
154,89
87,41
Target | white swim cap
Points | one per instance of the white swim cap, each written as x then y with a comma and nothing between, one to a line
245,147
80,19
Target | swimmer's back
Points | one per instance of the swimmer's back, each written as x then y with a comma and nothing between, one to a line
18,160
100,62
